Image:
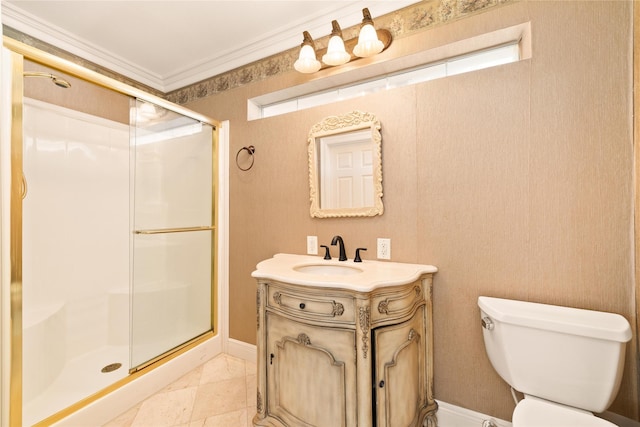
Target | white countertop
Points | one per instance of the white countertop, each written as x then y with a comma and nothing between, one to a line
373,274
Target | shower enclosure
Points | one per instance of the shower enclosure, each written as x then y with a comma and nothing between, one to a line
117,214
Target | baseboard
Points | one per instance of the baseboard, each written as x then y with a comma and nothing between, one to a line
455,416
242,350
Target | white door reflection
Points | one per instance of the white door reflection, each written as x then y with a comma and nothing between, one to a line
347,179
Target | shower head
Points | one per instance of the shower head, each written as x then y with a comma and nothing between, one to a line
61,83
55,79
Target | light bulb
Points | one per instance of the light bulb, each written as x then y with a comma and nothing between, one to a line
307,62
368,42
336,53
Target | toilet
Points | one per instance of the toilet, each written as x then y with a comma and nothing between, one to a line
567,362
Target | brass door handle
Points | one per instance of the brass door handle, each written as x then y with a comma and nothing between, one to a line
174,230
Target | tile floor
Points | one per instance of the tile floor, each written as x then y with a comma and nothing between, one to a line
219,393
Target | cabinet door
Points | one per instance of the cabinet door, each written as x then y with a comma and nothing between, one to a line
400,372
311,376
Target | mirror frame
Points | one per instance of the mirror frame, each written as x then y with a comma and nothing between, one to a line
333,125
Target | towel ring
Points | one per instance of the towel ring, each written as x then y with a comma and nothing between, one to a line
251,150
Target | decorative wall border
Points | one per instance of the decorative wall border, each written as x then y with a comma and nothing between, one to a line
401,23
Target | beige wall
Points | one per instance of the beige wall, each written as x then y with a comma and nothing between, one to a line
81,96
515,181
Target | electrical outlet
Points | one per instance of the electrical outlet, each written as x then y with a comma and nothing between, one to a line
312,245
384,248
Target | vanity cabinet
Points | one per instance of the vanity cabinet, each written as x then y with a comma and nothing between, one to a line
331,356
400,372
311,379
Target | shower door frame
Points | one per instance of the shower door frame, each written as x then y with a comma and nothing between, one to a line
14,296
19,52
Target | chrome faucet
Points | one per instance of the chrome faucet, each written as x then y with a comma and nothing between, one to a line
336,240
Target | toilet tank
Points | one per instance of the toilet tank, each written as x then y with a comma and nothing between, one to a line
570,356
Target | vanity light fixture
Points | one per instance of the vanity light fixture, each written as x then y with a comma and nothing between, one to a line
368,43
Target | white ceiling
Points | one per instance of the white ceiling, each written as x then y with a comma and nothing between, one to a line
171,44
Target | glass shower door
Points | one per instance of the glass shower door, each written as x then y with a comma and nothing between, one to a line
173,225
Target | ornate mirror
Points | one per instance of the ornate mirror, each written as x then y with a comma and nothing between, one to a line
345,166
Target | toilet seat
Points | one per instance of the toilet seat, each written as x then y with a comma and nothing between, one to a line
535,412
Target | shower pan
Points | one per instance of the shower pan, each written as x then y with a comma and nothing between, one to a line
112,234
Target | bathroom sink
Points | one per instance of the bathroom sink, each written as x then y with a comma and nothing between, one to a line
327,269
362,276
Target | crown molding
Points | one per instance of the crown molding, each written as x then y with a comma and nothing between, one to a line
30,25
286,37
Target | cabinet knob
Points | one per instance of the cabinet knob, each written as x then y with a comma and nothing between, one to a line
302,306
381,384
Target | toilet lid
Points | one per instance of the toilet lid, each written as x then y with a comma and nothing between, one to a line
532,412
